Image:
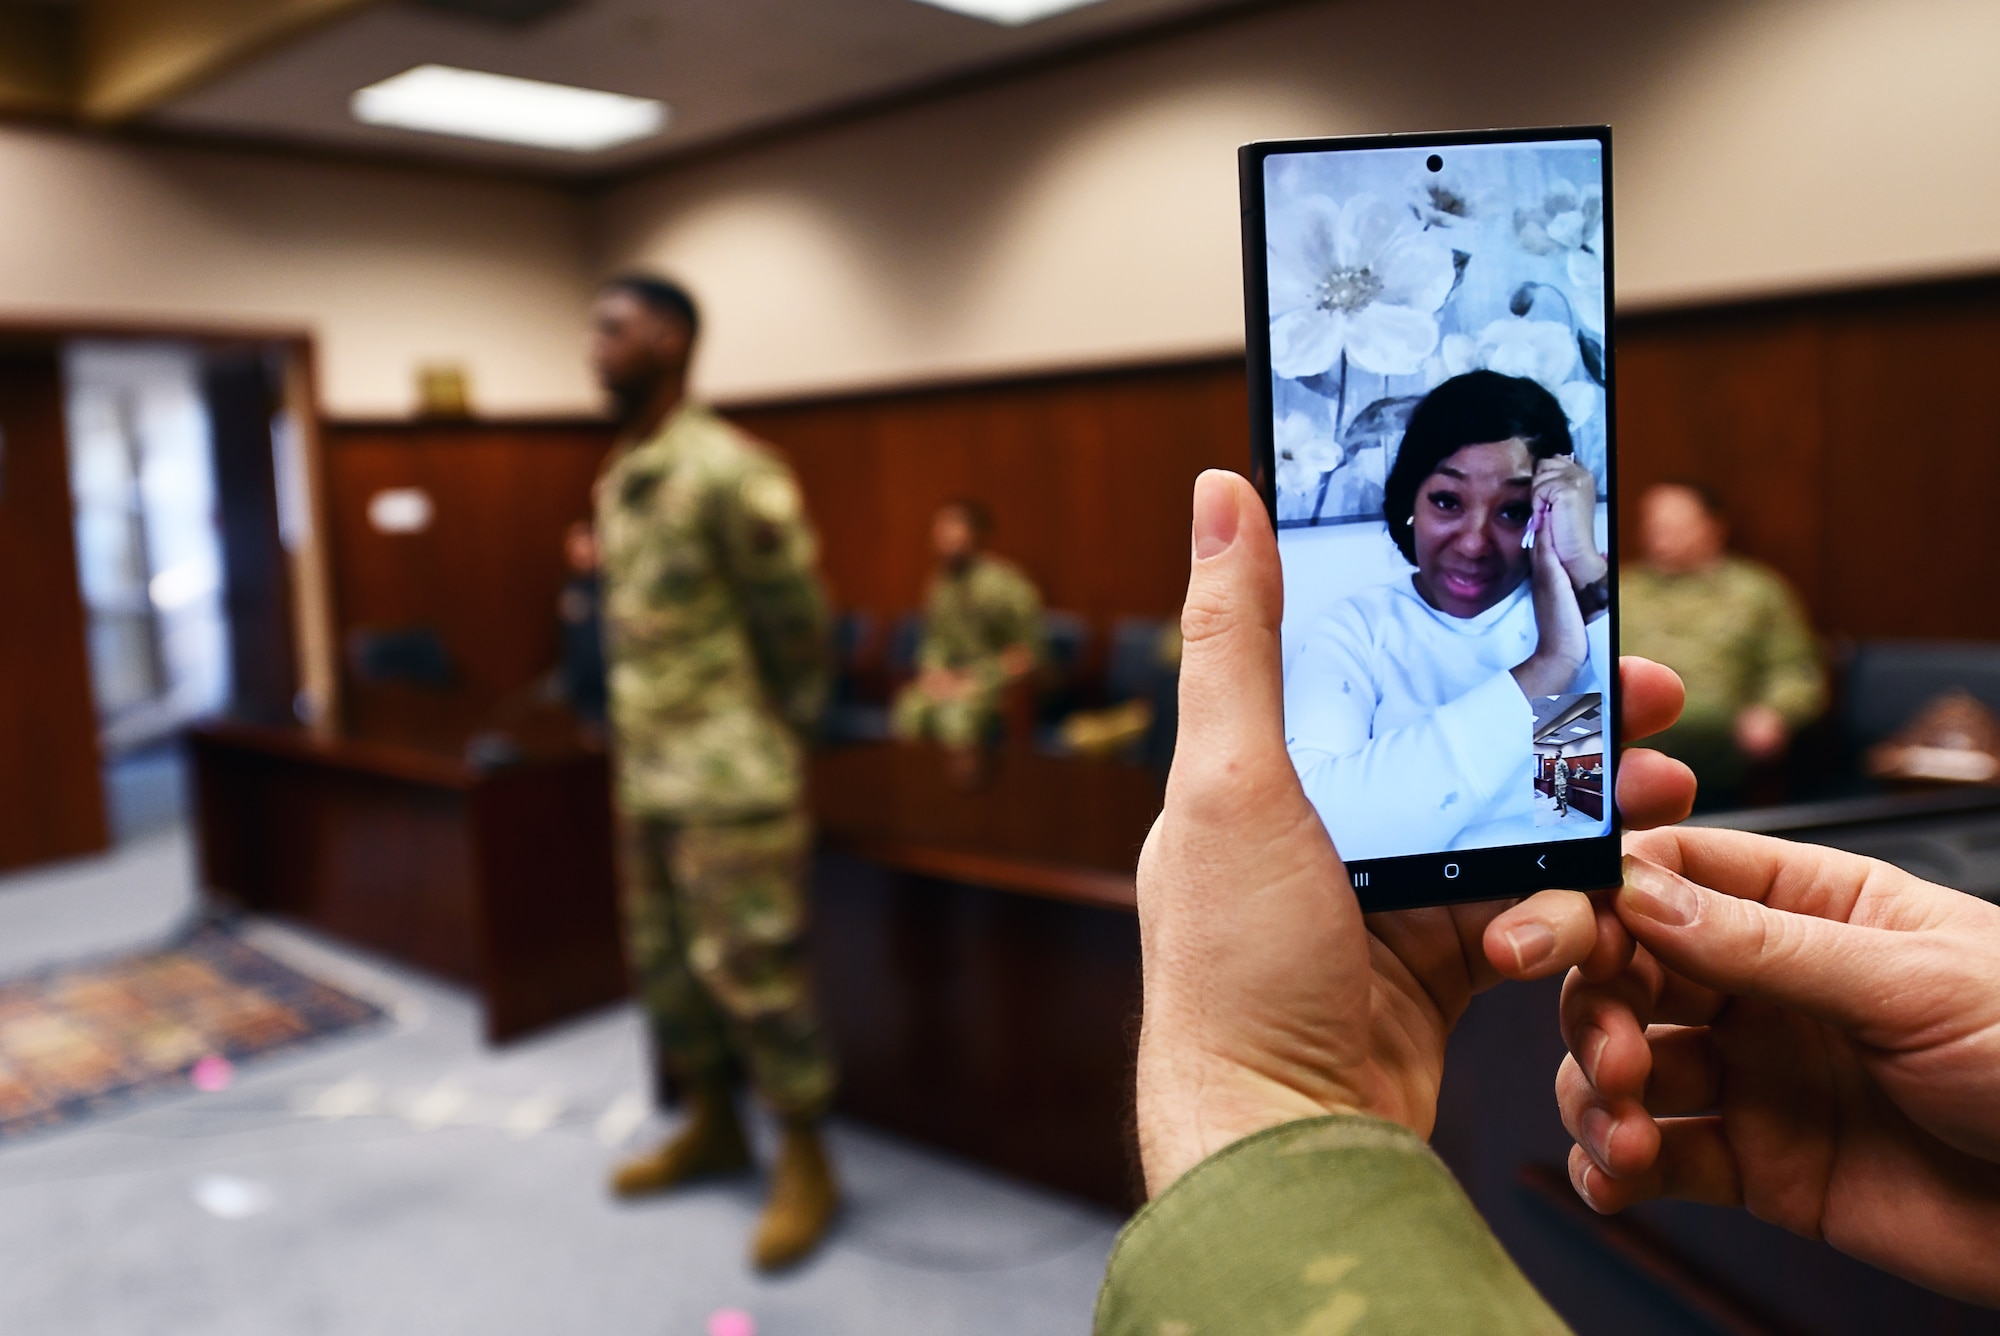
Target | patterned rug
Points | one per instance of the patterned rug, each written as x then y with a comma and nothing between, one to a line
78,1039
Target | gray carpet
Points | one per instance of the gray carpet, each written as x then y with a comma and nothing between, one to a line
412,1180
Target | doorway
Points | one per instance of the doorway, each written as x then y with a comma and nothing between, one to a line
154,508
148,538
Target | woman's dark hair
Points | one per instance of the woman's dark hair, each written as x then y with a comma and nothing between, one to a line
1472,409
662,295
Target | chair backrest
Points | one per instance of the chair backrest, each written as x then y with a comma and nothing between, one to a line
410,654
1067,635
905,634
1134,662
852,634
1888,681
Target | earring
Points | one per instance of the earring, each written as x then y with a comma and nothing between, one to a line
1412,521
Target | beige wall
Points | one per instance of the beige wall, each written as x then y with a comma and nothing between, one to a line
1088,214
388,267
1083,215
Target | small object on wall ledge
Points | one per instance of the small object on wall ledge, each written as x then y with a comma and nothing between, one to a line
1953,740
443,390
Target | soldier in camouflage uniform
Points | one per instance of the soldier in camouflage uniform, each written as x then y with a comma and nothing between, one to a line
716,635
1731,628
982,630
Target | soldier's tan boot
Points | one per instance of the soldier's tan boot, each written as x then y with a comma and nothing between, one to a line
711,1142
804,1198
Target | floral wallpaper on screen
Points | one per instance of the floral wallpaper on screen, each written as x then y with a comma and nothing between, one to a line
1387,278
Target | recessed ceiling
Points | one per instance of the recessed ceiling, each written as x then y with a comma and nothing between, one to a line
725,67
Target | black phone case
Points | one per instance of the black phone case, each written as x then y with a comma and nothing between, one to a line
1507,871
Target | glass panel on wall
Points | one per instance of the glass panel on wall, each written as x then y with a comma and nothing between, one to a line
149,547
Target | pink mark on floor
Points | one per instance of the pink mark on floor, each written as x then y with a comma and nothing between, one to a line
731,1322
212,1073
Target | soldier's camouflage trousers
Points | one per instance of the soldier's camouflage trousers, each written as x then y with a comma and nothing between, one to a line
715,920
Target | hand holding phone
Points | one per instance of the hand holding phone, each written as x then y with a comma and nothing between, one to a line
1269,996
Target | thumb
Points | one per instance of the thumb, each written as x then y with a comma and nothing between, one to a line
1834,972
1231,695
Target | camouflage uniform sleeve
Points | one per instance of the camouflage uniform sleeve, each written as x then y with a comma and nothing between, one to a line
770,558
1792,681
1341,1224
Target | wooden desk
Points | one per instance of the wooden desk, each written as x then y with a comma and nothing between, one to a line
1588,798
977,957
976,954
1060,827
500,879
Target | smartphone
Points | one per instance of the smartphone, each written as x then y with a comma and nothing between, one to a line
1432,428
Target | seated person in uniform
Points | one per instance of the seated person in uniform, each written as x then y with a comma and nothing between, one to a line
982,631
1734,631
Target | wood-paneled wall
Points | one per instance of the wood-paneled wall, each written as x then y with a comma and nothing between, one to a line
1854,437
486,572
1087,476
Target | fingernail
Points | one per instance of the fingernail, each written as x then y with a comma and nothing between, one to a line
1596,1126
1653,892
1214,515
1590,1051
1581,1178
1532,943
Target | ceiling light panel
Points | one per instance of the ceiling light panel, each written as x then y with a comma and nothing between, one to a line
1013,13
439,99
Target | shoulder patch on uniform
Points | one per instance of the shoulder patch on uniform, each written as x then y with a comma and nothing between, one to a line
637,487
772,498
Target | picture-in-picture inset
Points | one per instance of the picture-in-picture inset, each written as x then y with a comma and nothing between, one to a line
1569,765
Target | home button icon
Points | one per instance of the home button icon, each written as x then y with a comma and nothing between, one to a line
1450,870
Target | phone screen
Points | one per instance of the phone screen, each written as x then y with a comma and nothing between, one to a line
1431,374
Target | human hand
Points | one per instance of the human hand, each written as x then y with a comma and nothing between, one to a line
1017,661
1816,1038
1561,642
1268,998
1761,732
944,684
1565,496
